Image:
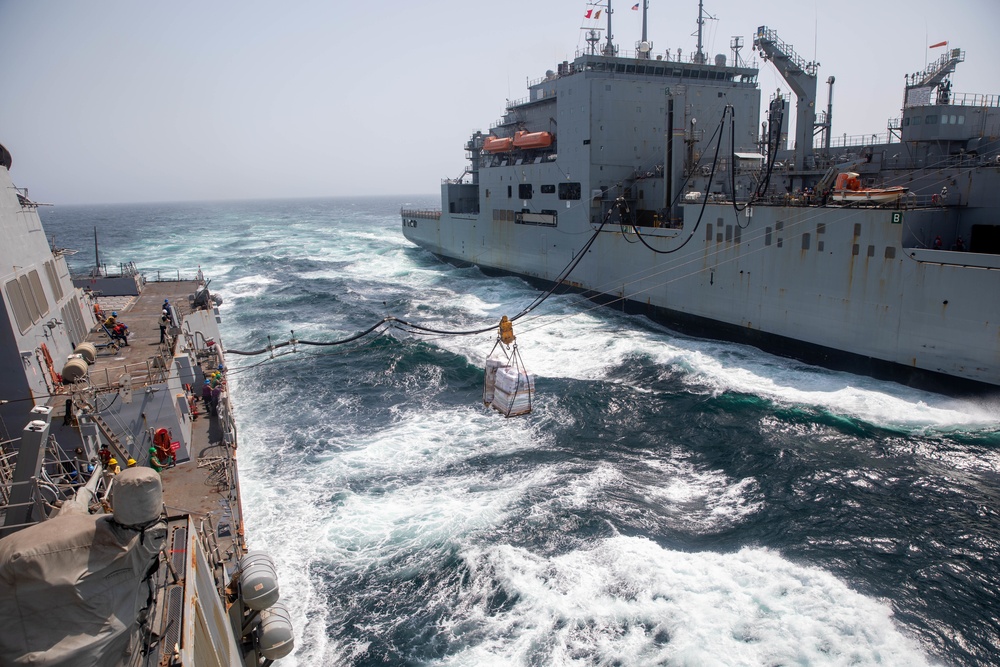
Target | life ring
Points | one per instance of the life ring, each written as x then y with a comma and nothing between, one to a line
162,439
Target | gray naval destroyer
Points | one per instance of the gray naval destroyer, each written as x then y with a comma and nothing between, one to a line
122,539
877,254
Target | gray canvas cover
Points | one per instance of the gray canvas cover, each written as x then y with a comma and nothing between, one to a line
71,589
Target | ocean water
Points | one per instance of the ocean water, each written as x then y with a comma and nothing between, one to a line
669,501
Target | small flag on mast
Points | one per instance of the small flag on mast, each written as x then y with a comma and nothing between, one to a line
589,12
635,7
934,46
598,14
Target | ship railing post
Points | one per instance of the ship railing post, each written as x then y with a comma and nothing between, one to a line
37,499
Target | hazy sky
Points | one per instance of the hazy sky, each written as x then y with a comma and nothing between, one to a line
112,101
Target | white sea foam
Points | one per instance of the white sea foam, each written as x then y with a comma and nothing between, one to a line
575,341
726,367
694,498
382,500
393,498
628,601
246,288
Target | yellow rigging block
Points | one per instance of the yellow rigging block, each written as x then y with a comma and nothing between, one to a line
506,332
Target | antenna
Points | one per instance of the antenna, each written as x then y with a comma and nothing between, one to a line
592,34
609,49
815,34
699,57
645,6
736,43
644,46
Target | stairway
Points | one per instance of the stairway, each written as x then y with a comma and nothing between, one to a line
117,447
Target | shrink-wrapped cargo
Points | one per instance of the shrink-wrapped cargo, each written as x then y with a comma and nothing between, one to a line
511,379
491,378
512,405
513,392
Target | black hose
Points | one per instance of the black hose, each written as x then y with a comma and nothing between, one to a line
405,325
704,201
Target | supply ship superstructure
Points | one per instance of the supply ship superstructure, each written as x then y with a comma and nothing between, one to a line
122,538
879,254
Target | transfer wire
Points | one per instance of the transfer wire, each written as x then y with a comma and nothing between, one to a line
403,325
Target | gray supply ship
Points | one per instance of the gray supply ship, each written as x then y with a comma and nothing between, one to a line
650,181
104,558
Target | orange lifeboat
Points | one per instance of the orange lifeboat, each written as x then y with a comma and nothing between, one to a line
497,144
532,139
847,180
847,188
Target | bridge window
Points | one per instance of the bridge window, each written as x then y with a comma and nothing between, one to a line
524,191
931,120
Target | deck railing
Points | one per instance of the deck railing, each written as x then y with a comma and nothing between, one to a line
172,275
966,99
427,214
142,374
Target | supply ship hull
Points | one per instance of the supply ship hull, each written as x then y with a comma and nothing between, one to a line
731,234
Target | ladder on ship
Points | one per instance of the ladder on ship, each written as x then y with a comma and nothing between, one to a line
6,474
117,447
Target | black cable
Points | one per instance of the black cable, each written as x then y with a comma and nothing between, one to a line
271,348
765,183
413,327
704,201
573,264
624,213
